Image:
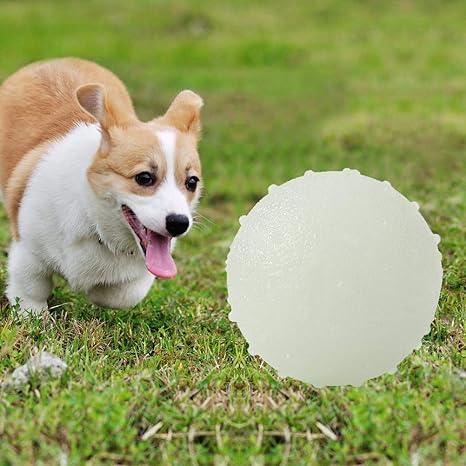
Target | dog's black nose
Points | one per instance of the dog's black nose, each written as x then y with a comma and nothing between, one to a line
176,224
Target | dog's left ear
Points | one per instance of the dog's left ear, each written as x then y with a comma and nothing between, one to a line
184,113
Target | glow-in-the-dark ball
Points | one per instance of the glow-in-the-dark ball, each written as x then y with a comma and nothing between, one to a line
334,277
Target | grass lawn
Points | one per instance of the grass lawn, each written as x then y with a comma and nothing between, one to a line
377,86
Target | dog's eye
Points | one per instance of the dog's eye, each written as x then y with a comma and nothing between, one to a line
145,179
191,183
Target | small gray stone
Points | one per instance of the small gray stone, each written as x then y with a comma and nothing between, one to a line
41,366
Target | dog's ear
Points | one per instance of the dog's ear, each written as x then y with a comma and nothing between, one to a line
91,97
184,113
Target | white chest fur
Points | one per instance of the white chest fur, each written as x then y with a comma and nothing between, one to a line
59,232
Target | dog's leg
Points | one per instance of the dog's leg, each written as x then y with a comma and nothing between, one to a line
29,280
123,295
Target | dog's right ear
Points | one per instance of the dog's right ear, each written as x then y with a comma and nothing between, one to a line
91,97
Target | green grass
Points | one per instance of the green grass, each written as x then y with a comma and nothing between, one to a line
378,86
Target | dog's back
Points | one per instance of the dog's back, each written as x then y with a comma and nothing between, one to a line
37,106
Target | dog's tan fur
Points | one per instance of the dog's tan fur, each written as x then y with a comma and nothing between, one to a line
43,101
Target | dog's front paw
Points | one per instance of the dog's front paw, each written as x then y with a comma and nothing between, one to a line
29,308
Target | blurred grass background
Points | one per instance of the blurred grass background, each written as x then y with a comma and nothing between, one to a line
378,86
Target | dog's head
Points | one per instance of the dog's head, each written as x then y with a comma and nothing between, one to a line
149,174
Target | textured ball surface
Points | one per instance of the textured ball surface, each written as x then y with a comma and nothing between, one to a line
333,278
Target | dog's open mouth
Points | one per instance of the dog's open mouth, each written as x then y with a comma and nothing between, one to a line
156,247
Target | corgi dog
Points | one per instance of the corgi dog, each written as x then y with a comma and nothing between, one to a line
92,193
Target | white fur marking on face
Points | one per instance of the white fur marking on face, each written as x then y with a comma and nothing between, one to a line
167,141
169,189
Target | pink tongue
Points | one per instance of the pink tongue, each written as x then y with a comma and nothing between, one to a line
158,257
